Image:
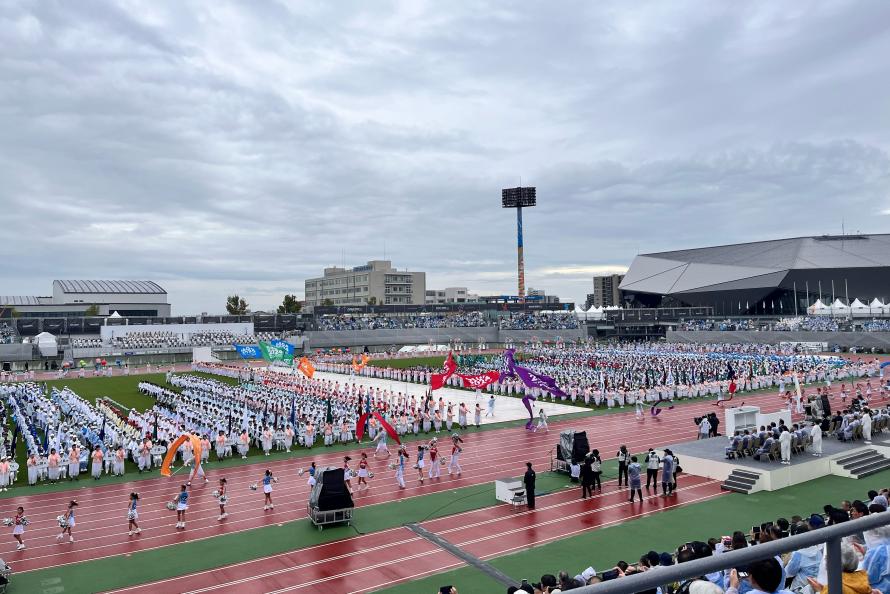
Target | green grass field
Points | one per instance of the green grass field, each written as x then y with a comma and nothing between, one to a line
434,362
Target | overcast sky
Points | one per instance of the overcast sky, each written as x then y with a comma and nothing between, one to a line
219,147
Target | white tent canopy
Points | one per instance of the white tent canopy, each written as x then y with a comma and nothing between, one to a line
818,309
47,344
876,303
839,306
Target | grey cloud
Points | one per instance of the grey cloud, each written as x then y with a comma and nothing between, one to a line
242,147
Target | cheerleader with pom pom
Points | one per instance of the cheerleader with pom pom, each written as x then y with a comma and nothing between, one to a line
133,515
347,474
363,472
18,526
268,479
66,522
181,502
223,499
312,475
400,467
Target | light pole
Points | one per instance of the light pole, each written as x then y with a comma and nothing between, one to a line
517,198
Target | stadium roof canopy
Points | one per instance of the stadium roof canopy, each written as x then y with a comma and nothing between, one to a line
752,265
18,300
111,286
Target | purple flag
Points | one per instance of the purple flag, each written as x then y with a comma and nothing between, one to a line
530,378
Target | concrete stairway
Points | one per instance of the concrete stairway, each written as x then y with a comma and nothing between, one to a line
740,481
863,463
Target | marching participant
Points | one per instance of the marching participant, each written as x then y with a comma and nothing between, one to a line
243,444
205,449
32,470
68,519
133,515
73,463
267,440
542,420
220,445
288,438
144,455
53,463
97,456
120,457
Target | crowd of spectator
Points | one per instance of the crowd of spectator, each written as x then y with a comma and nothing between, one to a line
864,559
165,340
539,321
7,333
472,319
790,324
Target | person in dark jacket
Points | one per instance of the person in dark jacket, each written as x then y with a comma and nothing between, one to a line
529,481
586,477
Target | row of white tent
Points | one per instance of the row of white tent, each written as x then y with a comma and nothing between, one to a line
855,309
594,313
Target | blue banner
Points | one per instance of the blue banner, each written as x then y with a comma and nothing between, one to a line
283,344
248,352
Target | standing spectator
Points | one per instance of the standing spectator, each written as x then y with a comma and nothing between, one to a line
652,464
622,464
633,470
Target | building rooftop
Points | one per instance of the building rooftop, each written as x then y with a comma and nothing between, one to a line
111,286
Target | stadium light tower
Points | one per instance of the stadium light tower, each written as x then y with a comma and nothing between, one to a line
518,198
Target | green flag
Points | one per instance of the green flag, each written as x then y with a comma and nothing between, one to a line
274,353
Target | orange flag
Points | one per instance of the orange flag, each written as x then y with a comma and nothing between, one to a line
306,367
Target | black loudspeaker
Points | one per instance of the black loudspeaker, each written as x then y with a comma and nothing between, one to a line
580,446
334,494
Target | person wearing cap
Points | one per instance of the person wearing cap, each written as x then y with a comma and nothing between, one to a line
528,480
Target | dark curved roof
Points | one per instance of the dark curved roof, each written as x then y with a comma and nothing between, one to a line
111,286
751,265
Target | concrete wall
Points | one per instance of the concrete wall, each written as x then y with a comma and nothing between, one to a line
16,352
865,340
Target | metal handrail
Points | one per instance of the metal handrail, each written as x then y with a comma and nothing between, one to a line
831,535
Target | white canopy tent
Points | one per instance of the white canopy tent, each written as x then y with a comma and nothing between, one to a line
839,308
47,344
819,309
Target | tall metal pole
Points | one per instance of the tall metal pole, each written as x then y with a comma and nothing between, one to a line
520,258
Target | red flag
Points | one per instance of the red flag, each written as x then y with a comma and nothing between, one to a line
450,366
480,381
437,380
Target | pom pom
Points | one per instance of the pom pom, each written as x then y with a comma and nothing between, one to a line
171,506
253,487
216,494
370,475
7,521
300,472
62,521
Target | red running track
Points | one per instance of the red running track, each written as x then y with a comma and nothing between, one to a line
101,527
373,561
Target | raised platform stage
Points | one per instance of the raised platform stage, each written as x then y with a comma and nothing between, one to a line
707,458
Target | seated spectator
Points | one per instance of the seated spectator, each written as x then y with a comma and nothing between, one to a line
764,577
876,560
854,580
803,563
